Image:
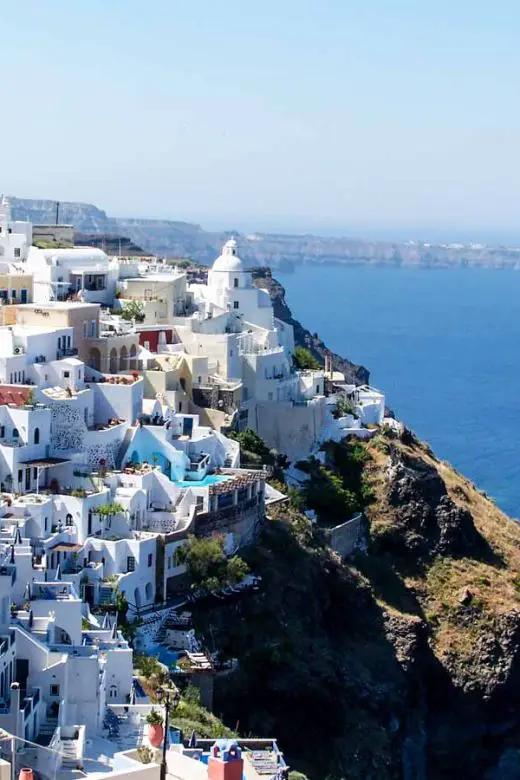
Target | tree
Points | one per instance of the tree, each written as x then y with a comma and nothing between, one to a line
304,359
208,565
133,310
253,448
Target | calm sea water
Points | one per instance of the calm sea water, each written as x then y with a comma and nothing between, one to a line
444,346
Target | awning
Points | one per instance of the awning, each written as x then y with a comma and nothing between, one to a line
44,463
66,547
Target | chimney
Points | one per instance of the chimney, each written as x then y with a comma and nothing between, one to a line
225,761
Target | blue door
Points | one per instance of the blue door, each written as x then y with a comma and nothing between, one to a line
23,296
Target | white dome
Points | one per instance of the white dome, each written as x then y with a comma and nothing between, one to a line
228,260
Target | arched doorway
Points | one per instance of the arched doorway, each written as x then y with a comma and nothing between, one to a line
94,358
113,361
137,598
133,357
149,591
123,359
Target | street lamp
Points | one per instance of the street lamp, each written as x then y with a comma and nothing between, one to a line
171,698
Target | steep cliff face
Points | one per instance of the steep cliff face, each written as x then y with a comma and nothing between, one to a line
354,374
403,662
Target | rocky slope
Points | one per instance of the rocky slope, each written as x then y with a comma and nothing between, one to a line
182,239
403,662
262,277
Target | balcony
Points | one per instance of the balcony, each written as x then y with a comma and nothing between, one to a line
64,353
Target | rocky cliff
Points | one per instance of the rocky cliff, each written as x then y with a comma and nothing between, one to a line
402,662
183,239
354,374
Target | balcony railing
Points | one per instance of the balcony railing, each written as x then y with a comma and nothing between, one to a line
68,352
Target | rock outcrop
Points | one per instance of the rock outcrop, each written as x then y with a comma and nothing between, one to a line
402,662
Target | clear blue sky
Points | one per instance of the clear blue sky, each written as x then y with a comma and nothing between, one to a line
368,116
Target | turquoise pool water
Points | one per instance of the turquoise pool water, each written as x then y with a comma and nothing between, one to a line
168,657
209,479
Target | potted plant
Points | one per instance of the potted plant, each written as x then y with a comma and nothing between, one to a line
155,728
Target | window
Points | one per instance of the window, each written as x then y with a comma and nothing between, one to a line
230,353
66,374
20,475
17,252
130,563
2,431
68,342
36,435
15,433
235,282
180,406
112,692
85,328
45,523
54,690
150,559
68,520
93,328
236,304
169,561
35,473
317,388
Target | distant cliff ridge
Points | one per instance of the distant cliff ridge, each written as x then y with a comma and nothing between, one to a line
182,239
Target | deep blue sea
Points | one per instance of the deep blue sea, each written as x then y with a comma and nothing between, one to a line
444,345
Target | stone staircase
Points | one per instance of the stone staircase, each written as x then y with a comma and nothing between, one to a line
69,752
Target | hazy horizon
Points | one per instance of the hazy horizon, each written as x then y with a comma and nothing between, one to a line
310,226
329,116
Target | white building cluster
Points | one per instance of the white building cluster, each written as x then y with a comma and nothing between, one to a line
118,383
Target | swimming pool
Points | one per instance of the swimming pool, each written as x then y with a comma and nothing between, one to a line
165,656
209,479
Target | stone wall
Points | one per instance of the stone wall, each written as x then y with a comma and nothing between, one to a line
345,538
291,429
214,397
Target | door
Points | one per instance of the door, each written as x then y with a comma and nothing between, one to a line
88,594
21,672
28,479
187,426
23,296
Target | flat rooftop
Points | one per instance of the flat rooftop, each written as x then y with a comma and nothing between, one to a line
59,305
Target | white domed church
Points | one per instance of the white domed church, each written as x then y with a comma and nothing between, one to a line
236,326
230,288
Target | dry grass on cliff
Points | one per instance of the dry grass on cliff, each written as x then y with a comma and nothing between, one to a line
439,589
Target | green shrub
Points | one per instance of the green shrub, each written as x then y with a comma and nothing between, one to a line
133,310
304,359
208,565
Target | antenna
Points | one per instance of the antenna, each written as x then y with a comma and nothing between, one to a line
57,212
